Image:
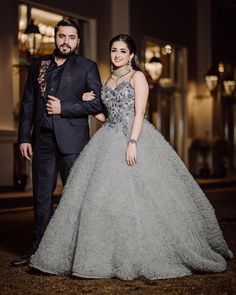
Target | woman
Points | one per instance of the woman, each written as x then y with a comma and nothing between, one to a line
130,207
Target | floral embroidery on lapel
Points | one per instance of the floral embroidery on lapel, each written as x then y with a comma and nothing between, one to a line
41,78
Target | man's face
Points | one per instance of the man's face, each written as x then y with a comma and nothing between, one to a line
66,40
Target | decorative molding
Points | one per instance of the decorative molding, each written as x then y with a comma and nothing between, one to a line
8,136
201,96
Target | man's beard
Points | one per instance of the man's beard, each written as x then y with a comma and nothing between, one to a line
62,54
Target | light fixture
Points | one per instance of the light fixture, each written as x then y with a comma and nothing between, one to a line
167,49
33,37
221,67
229,85
154,67
211,79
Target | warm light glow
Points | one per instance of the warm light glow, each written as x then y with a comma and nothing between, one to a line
229,87
44,16
167,49
153,64
152,50
166,82
42,28
211,82
33,42
50,31
154,69
46,39
22,37
22,17
22,24
47,32
45,21
221,68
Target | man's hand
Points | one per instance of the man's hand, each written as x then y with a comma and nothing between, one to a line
53,105
26,150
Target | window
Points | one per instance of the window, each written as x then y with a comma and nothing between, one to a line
165,65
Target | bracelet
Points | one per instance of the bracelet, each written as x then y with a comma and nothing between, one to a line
131,140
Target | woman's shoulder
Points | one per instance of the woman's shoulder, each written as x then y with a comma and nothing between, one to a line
138,77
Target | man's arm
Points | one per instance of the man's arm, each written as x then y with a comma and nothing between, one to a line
27,109
81,108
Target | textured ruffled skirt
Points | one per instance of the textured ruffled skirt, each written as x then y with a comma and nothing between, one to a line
151,220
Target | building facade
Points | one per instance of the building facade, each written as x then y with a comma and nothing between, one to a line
182,35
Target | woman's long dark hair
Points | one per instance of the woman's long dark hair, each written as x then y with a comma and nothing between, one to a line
132,49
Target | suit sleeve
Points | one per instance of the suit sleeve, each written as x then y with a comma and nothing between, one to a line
81,108
27,110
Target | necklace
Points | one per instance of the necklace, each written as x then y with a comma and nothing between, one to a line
119,73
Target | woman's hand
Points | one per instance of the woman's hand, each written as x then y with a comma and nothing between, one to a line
131,154
87,96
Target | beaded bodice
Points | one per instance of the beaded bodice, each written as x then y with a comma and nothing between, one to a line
119,103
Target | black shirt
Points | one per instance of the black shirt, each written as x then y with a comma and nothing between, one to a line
53,78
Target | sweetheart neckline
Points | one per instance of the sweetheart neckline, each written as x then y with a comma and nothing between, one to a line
123,82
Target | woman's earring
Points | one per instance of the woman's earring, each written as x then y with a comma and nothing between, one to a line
112,69
129,65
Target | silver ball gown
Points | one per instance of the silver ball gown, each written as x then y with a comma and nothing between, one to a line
148,221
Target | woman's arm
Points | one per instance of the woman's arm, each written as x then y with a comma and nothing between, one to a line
100,117
141,95
88,96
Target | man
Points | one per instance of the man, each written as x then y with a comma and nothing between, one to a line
52,106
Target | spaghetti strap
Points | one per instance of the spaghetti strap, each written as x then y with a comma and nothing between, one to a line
131,76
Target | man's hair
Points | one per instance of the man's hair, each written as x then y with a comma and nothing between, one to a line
68,22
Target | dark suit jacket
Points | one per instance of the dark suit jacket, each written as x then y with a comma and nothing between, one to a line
71,126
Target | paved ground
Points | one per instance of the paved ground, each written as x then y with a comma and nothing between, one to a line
15,231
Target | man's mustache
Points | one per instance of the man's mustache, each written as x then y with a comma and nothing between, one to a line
64,44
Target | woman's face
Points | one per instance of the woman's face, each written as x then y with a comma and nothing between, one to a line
120,54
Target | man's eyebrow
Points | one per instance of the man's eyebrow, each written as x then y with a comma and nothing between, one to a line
65,34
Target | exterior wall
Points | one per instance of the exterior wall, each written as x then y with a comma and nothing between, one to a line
6,61
223,31
173,21
8,57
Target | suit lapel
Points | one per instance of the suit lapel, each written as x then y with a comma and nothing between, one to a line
67,73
